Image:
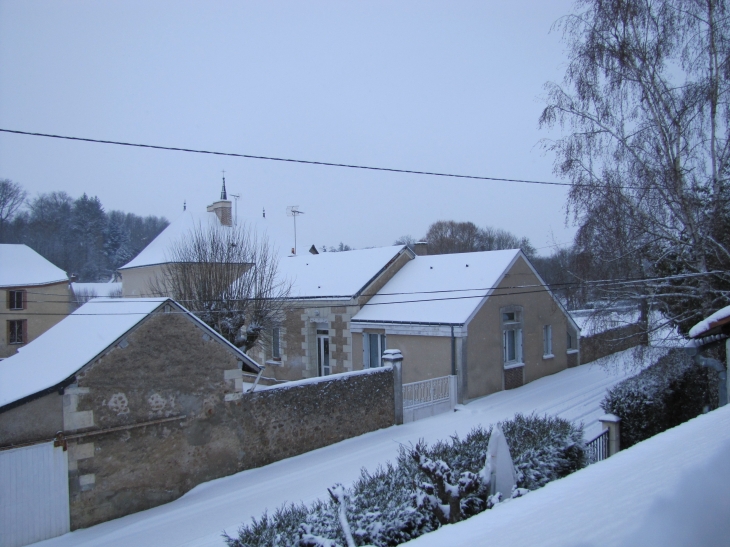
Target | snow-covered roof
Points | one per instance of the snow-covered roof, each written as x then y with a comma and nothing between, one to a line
22,266
158,251
438,289
97,289
75,341
717,319
335,275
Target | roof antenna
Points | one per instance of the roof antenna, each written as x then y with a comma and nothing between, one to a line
293,211
223,190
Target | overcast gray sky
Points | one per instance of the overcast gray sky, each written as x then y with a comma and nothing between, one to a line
434,86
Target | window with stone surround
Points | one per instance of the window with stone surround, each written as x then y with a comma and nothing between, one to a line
512,325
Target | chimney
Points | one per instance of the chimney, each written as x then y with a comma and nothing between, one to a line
420,248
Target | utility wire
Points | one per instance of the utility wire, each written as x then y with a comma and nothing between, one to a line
541,289
291,160
567,284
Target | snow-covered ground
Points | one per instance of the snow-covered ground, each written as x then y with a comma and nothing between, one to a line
668,491
201,515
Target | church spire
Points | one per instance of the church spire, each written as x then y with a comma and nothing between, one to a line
224,195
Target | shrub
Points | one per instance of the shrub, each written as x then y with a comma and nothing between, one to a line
663,395
386,508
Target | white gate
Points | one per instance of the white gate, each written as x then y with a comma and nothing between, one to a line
428,398
33,494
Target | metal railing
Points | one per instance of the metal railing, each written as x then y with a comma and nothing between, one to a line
598,447
426,392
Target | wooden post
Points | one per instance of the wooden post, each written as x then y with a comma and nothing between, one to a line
394,358
613,424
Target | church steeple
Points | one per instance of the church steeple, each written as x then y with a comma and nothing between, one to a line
224,195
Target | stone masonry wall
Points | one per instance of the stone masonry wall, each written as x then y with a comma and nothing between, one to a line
610,341
170,367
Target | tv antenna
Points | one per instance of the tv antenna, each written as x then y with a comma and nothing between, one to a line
236,197
293,211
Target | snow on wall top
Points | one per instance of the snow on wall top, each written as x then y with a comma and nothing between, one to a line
718,318
69,345
157,252
21,266
335,274
464,288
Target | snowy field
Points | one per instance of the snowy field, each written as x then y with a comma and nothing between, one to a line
200,516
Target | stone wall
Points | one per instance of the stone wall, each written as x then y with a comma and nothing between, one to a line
171,394
610,341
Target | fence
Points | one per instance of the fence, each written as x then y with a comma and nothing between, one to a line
598,447
428,398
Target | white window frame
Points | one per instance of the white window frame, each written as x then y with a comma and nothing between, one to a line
547,342
512,325
382,346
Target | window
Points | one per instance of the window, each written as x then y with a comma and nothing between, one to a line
547,341
570,341
16,331
275,344
373,346
323,352
512,335
16,300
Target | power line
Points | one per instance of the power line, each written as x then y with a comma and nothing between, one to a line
540,289
292,160
566,284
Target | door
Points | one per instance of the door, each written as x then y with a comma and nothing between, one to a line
34,494
323,352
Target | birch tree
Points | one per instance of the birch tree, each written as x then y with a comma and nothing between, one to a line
645,111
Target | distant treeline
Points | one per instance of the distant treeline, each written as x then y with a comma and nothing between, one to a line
77,235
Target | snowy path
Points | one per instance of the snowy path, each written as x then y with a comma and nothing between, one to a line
201,515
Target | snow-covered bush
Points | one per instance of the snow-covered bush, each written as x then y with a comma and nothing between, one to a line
663,395
544,448
401,501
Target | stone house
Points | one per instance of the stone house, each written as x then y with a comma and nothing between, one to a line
138,391
34,293
328,289
486,317
127,404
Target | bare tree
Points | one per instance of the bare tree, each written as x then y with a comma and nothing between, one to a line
228,276
646,105
12,197
448,236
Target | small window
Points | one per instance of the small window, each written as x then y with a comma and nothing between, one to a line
16,331
275,344
570,341
16,300
511,317
547,341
